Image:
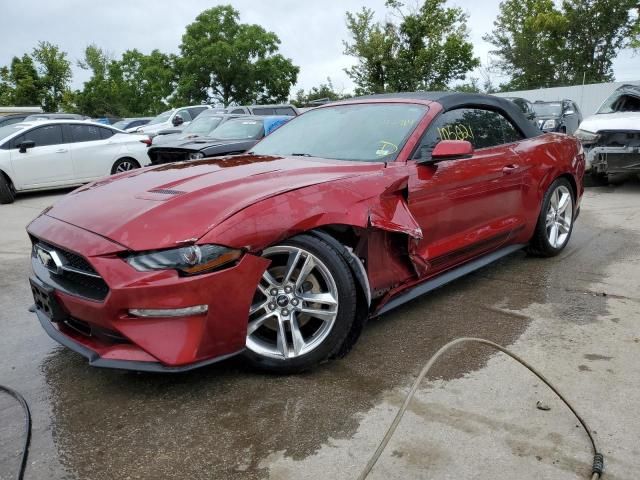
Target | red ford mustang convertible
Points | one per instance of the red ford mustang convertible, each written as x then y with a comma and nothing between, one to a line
283,253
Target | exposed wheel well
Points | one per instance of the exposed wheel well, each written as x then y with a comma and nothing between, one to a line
11,185
572,182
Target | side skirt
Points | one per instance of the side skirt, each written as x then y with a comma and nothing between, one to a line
447,277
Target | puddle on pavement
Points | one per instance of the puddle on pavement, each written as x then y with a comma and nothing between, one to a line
221,421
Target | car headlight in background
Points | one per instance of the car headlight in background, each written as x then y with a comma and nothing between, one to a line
191,260
586,137
196,155
551,123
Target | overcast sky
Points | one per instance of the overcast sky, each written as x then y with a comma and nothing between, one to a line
311,31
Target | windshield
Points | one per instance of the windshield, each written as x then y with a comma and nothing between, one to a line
9,129
372,132
163,117
121,124
548,109
621,101
202,125
239,129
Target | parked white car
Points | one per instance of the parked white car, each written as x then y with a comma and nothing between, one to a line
177,117
48,154
611,137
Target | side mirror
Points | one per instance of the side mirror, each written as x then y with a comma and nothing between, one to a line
450,150
177,120
24,145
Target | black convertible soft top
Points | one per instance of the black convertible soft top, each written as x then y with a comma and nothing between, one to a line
454,100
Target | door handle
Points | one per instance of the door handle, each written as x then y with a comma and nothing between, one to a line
62,150
508,169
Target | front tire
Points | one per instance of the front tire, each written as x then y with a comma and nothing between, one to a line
555,222
7,193
303,309
124,165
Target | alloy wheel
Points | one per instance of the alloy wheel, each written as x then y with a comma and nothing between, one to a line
295,306
125,166
559,217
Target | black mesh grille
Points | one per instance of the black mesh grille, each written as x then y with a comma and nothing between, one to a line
78,276
73,260
92,284
168,156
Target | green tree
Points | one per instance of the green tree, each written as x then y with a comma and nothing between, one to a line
145,82
137,84
54,74
99,95
426,50
539,44
20,83
321,92
231,62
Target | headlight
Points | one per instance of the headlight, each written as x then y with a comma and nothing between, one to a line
190,260
586,137
551,123
196,155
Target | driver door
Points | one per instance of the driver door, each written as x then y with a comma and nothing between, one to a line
467,206
47,164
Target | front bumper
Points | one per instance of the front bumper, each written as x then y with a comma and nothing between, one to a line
613,159
103,331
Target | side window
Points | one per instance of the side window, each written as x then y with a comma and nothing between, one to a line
483,128
263,111
16,141
195,111
285,111
84,133
238,110
185,115
44,136
106,133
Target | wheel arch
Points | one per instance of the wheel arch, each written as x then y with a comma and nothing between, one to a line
8,177
572,181
123,157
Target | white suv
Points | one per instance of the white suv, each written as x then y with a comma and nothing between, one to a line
177,117
48,154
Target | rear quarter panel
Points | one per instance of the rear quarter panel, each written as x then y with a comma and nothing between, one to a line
546,158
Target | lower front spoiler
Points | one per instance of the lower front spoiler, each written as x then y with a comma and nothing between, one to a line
96,361
607,160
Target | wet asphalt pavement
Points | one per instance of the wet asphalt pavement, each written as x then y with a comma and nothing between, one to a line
226,421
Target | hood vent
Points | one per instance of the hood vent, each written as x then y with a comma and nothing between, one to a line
166,191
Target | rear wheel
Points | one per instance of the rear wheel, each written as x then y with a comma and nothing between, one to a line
7,192
124,165
555,222
304,306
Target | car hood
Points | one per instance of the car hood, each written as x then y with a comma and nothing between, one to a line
200,143
611,121
174,204
155,128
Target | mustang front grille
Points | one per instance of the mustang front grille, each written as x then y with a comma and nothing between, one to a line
67,271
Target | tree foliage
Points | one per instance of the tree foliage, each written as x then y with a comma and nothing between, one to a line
325,91
539,44
426,50
232,62
136,84
54,71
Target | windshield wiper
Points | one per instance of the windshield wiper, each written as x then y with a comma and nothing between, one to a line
301,155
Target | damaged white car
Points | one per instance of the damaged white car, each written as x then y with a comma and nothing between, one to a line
611,137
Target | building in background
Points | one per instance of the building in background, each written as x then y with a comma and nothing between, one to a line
588,97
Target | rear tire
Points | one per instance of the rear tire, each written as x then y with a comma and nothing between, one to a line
124,165
555,222
303,309
7,192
